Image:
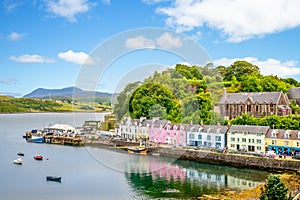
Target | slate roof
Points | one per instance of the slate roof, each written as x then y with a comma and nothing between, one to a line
254,97
294,93
195,128
281,133
249,128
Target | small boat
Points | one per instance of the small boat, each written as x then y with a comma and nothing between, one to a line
18,161
137,150
20,153
38,157
37,139
53,178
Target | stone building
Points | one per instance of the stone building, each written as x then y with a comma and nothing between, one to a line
256,104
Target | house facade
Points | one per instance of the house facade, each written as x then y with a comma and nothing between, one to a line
247,138
256,104
208,136
174,134
283,141
156,131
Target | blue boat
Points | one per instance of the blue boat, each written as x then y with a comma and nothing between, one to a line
36,139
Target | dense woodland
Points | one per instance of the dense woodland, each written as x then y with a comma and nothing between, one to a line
187,94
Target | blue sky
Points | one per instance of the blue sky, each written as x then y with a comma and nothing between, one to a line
45,43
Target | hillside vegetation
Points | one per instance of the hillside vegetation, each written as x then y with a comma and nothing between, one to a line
14,105
187,94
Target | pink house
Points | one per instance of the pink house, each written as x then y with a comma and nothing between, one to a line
163,132
155,131
175,134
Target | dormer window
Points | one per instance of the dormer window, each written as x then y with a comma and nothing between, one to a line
299,135
274,134
208,130
286,134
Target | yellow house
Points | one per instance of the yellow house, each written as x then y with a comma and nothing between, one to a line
283,141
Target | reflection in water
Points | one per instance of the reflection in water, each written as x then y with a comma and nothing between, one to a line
159,177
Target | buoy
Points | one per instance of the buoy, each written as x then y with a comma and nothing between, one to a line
47,158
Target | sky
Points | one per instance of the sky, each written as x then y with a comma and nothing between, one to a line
61,43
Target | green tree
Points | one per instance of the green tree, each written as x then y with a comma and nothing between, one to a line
274,189
240,69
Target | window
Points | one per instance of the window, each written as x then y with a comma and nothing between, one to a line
298,144
209,144
232,139
245,132
248,108
218,145
256,108
258,134
244,140
199,137
191,136
218,138
199,143
249,140
285,143
258,141
273,134
232,145
286,135
258,148
208,137
273,142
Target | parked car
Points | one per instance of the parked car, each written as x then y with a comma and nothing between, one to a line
271,154
296,157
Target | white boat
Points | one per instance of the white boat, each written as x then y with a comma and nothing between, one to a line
18,161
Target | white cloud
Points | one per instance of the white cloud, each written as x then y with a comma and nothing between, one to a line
68,8
31,59
167,41
107,2
139,42
15,36
76,57
238,20
8,80
154,1
267,67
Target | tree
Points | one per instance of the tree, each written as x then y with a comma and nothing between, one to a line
240,69
274,189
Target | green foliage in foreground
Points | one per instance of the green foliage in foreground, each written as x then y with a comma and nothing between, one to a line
274,189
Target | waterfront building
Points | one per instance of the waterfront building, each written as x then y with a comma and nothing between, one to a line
174,134
212,136
128,128
247,138
283,141
155,131
256,104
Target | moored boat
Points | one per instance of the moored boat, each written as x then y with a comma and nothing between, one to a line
18,161
38,157
137,150
53,178
37,139
20,153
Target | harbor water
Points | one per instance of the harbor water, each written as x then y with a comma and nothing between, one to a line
95,173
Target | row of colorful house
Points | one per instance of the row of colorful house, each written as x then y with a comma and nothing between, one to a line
256,139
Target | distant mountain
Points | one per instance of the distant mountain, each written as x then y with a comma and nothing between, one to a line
42,93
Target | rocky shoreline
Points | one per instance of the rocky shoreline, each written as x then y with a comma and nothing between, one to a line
237,160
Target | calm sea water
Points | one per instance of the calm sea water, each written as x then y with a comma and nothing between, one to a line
95,173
